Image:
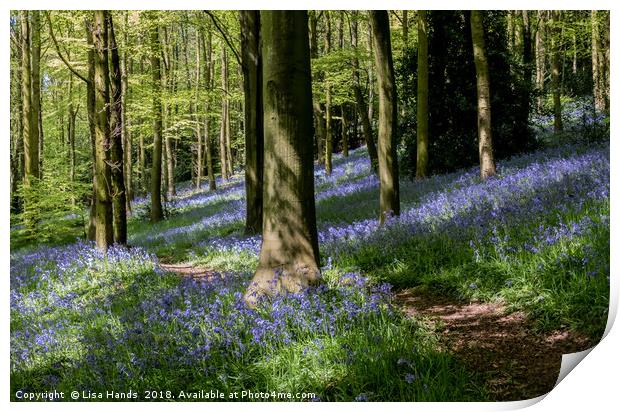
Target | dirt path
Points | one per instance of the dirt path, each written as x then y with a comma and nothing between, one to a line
517,363
198,273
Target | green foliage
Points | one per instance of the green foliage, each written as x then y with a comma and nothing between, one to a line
53,210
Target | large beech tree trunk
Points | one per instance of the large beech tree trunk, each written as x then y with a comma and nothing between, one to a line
422,103
252,85
289,256
104,224
119,194
156,208
485,141
389,192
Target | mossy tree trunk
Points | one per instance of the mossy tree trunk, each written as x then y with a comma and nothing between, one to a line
252,89
104,223
119,194
389,192
485,141
289,256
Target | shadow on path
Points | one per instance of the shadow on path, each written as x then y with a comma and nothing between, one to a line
518,363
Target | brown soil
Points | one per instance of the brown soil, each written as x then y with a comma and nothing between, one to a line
516,362
198,273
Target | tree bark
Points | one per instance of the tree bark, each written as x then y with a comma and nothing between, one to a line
90,109
223,150
406,28
36,89
104,232
119,194
229,158
362,110
527,70
126,137
389,192
597,75
555,74
485,141
422,103
208,50
540,59
289,256
345,132
169,84
29,117
329,144
252,90
156,207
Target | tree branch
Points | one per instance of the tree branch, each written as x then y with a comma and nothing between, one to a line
64,60
225,35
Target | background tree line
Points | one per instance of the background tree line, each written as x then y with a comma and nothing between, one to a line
112,105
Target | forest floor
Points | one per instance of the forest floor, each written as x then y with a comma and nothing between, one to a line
518,363
473,294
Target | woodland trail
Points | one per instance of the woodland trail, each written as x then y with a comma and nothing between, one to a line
517,363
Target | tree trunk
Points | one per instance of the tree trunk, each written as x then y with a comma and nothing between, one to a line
345,132
252,85
527,71
329,144
362,110
555,74
406,28
169,84
126,137
319,122
229,158
223,152
90,108
36,89
389,193
485,141
17,169
597,75
29,117
289,256
104,233
156,208
199,150
207,50
371,80
422,103
119,194
540,59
